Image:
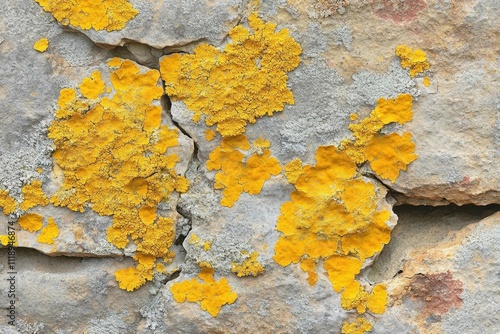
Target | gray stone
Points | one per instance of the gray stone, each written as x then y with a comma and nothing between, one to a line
70,295
168,24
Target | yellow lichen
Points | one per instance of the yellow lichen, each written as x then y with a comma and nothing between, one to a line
360,326
309,266
195,240
89,14
261,143
427,81
293,169
210,294
331,206
377,302
31,222
414,60
354,297
7,203
387,154
342,270
333,216
49,232
33,195
92,86
237,175
210,134
5,240
112,148
390,154
133,278
129,278
160,267
366,242
249,267
41,45
233,87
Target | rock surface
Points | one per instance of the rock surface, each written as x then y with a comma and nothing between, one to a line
451,286
441,264
462,267
161,24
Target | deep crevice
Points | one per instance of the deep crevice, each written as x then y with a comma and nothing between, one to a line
174,275
66,255
166,104
421,227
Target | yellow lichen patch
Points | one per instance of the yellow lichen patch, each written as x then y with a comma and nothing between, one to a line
147,214
309,266
31,222
133,278
249,267
233,87
261,143
49,232
331,203
41,45
377,302
396,110
112,148
387,154
160,267
33,195
427,81
129,278
195,240
7,203
236,175
89,14
333,214
210,134
390,154
210,294
414,60
360,326
370,239
5,240
93,86
342,270
293,169
204,274
354,297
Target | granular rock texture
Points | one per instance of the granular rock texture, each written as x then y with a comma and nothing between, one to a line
241,166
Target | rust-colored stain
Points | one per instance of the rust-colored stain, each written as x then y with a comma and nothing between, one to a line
440,292
400,10
465,181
